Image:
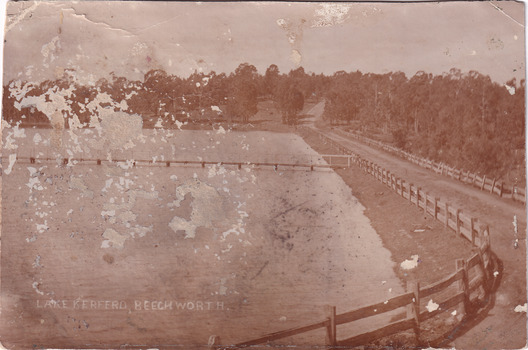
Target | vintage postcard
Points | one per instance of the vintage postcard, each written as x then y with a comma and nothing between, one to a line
225,175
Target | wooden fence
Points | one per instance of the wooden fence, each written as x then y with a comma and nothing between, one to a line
464,288
484,183
311,162
470,228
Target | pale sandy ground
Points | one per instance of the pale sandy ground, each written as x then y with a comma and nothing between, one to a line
272,247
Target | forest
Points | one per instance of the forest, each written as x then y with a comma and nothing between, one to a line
462,119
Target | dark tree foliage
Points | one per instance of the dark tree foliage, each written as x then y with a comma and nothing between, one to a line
270,81
243,96
464,120
344,98
291,102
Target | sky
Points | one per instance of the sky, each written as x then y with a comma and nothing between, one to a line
130,38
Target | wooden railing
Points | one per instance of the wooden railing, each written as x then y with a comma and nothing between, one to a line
309,161
466,286
454,218
484,183
463,288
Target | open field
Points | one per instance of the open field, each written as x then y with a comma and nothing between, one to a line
113,254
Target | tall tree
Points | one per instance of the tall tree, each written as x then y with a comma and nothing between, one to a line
271,80
291,102
242,100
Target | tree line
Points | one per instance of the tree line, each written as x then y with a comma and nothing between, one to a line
201,96
463,119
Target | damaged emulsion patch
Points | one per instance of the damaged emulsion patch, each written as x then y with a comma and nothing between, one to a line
206,207
113,239
521,308
409,264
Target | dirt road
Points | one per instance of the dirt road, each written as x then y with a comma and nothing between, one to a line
503,327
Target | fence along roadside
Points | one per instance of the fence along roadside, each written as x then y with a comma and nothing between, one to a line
484,183
466,287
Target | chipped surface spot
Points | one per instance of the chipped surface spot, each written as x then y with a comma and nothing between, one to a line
330,14
410,264
206,207
12,160
521,308
113,239
432,306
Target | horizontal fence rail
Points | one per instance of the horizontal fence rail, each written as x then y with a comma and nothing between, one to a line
413,301
464,288
484,183
311,162
470,228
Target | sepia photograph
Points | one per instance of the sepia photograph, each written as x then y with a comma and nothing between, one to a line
263,175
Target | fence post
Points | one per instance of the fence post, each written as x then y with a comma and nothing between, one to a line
446,208
425,203
410,192
331,337
463,285
487,236
485,276
458,222
492,186
472,230
483,183
413,309
485,245
418,197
